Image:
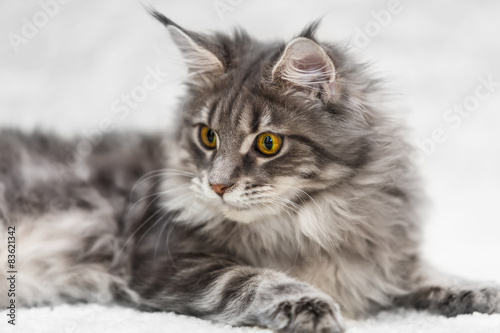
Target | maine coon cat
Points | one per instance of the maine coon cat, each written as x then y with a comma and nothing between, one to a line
285,198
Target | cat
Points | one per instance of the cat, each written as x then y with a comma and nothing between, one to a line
285,198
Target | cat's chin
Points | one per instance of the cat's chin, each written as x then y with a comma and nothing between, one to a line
242,216
247,215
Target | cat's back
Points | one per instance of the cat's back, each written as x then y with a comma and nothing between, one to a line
42,172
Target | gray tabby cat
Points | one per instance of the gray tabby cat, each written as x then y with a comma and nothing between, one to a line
285,199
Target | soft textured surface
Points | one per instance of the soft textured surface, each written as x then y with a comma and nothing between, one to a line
69,74
97,318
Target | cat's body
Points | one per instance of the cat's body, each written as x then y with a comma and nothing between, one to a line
214,222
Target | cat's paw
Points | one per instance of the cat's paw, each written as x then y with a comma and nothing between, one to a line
459,300
305,315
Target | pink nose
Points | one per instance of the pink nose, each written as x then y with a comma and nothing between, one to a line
220,189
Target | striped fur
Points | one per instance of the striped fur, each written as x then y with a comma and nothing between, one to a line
330,226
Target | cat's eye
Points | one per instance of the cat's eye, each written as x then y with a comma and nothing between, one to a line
268,143
208,137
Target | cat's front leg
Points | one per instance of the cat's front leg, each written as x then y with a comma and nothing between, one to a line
451,301
223,290
450,297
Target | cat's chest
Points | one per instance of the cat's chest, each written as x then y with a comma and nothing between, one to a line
350,280
320,272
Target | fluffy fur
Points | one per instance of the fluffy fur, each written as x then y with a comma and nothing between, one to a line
329,226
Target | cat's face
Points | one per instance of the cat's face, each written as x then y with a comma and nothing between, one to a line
263,127
253,158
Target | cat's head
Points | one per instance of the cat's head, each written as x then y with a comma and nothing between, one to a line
265,126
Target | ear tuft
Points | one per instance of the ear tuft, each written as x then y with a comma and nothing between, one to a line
306,65
162,18
310,30
197,58
197,51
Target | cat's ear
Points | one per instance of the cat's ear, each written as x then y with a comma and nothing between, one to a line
201,56
306,66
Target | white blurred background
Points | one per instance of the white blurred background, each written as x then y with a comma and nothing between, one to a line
65,66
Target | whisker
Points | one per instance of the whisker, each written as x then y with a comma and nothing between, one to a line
161,231
137,230
165,223
281,217
142,224
285,202
161,209
159,173
167,247
156,194
299,190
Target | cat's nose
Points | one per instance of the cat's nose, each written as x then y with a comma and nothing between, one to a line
220,189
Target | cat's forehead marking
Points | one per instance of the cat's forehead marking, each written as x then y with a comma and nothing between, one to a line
200,116
245,119
204,114
224,109
247,143
266,119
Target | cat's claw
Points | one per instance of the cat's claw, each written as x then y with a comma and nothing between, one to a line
305,315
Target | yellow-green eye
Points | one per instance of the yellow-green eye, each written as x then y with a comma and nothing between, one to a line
268,143
208,137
